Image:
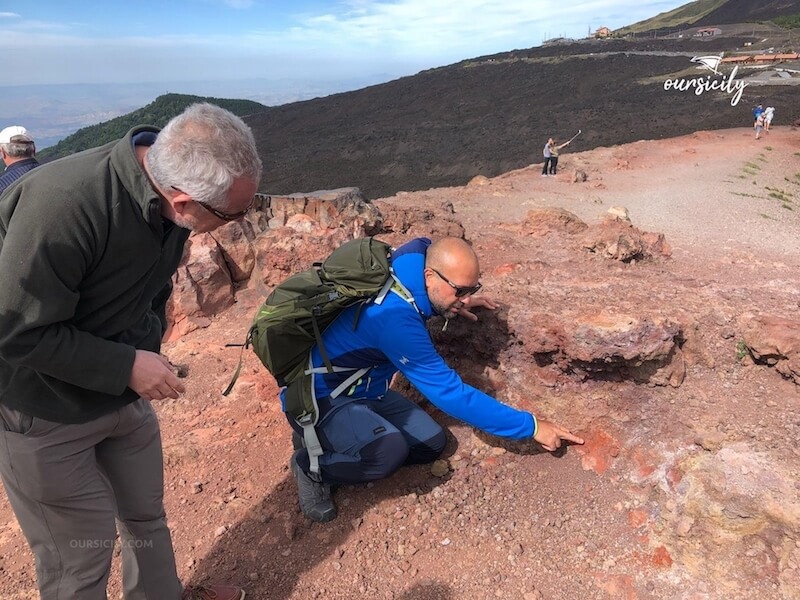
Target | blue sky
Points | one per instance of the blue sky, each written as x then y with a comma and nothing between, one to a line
112,41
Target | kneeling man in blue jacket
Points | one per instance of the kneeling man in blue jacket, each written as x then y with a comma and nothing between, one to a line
368,431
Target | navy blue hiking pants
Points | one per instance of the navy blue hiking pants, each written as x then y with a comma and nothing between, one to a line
367,440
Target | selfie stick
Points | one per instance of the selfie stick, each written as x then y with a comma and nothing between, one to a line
574,136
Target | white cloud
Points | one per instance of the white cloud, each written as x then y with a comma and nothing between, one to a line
30,27
462,28
342,39
9,15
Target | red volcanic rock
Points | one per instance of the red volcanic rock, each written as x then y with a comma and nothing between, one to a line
776,342
236,248
281,236
598,451
284,251
202,286
547,220
645,350
617,586
579,176
403,223
619,240
326,207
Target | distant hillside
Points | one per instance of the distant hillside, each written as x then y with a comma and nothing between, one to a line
748,11
493,114
688,14
486,115
715,12
157,113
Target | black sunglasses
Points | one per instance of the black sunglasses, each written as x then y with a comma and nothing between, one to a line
459,290
218,213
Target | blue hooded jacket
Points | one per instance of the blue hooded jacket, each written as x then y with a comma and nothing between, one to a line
391,336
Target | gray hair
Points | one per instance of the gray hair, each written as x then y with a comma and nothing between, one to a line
202,151
19,149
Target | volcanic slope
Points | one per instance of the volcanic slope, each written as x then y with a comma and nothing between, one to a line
493,114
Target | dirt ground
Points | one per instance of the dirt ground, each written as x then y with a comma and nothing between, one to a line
642,511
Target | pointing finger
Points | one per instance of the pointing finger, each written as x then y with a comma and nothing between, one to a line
571,437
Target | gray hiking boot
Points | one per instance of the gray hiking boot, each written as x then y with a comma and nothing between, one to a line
315,496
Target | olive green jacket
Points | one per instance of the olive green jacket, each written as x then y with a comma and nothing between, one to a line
86,268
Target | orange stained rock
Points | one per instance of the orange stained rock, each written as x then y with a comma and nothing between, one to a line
661,557
598,451
637,518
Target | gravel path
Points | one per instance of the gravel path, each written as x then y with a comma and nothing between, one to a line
711,193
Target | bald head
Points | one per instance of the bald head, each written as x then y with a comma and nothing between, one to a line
452,253
452,275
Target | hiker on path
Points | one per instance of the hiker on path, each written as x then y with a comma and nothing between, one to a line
554,148
17,151
759,108
370,431
547,157
769,113
88,246
760,125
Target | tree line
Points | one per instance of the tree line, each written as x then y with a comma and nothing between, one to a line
157,114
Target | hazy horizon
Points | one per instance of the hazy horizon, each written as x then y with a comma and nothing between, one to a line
54,111
271,51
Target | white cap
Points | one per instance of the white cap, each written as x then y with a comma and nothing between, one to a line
15,133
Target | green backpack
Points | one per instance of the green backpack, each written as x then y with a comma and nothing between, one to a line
291,320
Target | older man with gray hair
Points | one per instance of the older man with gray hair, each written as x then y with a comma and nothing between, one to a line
88,245
17,151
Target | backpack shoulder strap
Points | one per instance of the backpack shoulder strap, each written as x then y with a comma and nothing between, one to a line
398,288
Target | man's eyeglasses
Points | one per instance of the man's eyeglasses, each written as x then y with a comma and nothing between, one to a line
218,213
460,291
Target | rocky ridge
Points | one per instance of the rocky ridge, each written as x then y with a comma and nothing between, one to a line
657,318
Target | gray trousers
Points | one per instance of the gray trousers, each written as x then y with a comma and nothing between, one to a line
68,483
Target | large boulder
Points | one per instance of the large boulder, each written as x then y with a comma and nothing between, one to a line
202,286
234,240
403,223
281,235
618,239
774,341
549,220
617,346
328,208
